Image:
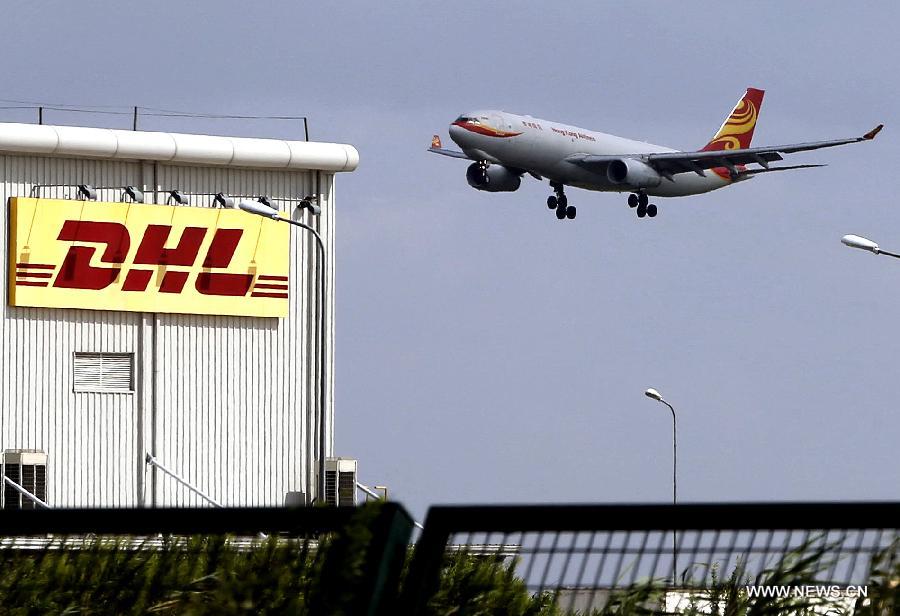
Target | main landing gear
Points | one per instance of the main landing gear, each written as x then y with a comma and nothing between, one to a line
639,200
560,203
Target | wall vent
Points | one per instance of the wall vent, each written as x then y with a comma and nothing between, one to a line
340,482
103,372
28,468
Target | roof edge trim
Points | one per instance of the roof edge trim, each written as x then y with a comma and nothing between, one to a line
105,143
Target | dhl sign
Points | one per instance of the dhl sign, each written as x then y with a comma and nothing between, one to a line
146,258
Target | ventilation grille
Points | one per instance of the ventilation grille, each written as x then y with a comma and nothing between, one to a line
27,468
11,497
104,372
340,482
347,488
330,488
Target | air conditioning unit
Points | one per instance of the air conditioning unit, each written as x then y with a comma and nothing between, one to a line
340,482
28,468
295,499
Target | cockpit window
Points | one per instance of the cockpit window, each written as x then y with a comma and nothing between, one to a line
464,118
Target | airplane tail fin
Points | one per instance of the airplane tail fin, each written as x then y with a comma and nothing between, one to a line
436,142
737,130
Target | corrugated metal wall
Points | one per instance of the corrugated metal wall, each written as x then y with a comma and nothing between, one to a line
228,403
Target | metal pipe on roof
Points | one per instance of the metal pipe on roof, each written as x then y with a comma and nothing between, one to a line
177,147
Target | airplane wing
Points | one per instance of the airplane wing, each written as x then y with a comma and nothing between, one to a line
437,149
671,163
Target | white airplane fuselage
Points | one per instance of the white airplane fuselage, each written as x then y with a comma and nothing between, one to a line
541,147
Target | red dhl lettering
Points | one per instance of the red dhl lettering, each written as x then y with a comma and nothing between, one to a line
76,271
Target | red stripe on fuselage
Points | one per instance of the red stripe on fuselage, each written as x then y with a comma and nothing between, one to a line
485,130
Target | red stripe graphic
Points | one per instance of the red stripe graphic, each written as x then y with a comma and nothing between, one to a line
280,287
490,131
29,283
276,295
33,275
34,266
264,277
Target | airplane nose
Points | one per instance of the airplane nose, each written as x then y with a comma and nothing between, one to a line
456,133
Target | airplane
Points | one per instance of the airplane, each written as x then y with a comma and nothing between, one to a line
505,146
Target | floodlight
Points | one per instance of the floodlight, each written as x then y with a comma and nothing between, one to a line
135,194
223,200
310,203
177,197
87,192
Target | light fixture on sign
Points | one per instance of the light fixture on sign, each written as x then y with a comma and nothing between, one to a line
177,197
135,194
310,202
223,200
86,192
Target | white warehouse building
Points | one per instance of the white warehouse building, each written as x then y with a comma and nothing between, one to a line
153,352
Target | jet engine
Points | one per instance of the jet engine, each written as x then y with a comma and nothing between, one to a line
494,178
632,172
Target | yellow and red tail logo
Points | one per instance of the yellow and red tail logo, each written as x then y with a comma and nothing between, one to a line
436,142
737,131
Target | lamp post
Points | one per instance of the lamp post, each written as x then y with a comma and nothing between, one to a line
855,241
267,211
652,393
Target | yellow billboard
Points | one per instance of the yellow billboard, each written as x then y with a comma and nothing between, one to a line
146,258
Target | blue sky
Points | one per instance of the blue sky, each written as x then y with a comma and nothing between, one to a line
487,352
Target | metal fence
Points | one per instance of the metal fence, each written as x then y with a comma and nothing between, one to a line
536,560
584,559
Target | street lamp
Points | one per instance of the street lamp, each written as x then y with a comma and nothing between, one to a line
267,211
652,393
856,241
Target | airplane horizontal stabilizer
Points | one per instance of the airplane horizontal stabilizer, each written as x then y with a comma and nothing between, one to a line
446,152
438,148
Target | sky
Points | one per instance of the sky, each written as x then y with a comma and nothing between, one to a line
487,352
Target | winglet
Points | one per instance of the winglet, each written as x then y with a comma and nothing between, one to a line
871,134
436,142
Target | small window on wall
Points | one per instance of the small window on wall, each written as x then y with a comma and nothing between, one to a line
103,372
26,468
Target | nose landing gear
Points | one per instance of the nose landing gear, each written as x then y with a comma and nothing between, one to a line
639,200
559,202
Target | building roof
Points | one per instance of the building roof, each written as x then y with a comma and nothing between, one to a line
176,148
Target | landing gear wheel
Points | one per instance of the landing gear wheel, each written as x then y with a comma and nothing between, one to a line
559,201
632,200
643,199
641,210
570,212
651,210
